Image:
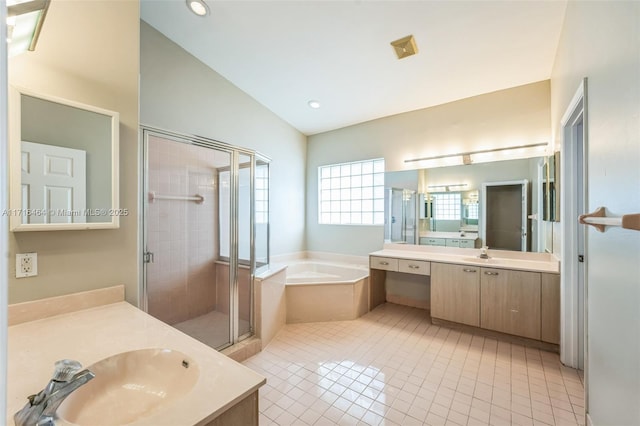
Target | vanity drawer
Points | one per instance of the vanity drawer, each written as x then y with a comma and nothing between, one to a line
467,243
419,267
432,241
386,263
453,242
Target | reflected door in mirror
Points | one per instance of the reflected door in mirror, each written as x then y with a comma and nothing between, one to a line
53,182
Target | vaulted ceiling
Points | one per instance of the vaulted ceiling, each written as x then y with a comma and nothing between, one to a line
286,53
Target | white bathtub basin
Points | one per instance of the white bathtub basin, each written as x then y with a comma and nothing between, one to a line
130,386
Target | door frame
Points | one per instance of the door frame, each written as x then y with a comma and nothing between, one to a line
570,301
525,207
4,220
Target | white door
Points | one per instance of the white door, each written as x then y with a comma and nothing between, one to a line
54,183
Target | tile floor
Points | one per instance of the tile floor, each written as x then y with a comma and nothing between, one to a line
393,367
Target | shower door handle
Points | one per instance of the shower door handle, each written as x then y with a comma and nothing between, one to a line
147,257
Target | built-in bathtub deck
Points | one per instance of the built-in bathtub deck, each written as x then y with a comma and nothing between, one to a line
320,291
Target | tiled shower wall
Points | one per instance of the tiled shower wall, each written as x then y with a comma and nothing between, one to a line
182,234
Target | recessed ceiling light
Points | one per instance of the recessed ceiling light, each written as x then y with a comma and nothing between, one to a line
199,7
314,104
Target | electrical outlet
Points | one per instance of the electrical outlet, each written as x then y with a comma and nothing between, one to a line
26,265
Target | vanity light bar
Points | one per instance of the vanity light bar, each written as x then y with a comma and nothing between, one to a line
447,186
24,20
482,151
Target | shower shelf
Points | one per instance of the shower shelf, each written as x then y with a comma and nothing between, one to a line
599,220
197,198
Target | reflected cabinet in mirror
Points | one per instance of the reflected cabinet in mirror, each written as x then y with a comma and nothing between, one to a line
63,158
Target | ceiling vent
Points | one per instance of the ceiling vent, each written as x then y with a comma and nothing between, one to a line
404,47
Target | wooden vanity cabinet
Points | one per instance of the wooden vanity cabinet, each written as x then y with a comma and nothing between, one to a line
378,267
550,310
519,303
510,302
455,293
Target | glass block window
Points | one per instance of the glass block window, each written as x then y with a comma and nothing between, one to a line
472,209
351,193
447,206
262,193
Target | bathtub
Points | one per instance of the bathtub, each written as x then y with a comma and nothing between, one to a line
309,272
322,291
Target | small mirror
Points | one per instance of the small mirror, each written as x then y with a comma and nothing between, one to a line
63,164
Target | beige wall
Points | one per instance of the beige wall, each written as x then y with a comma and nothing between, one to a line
181,94
516,116
600,40
88,52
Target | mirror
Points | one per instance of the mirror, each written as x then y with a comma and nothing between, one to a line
63,159
400,207
451,200
400,220
551,188
454,211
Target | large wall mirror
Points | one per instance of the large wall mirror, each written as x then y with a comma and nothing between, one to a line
494,200
63,164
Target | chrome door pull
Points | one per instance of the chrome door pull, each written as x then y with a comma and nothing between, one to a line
490,273
469,270
414,266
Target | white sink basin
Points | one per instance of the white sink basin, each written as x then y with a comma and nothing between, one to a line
130,386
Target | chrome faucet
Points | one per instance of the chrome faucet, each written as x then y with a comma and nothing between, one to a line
41,408
484,252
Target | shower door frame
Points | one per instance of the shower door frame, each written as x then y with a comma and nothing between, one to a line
235,153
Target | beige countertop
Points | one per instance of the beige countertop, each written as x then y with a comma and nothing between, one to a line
456,235
96,333
500,259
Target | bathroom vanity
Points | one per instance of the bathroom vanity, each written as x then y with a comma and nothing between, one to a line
110,336
513,293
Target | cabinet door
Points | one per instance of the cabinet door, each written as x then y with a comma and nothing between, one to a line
510,302
550,314
455,293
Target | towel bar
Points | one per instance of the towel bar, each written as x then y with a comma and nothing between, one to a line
153,196
599,220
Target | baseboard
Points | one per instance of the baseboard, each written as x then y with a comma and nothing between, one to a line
589,422
524,341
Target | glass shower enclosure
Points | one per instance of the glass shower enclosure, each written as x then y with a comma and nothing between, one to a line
205,229
400,216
